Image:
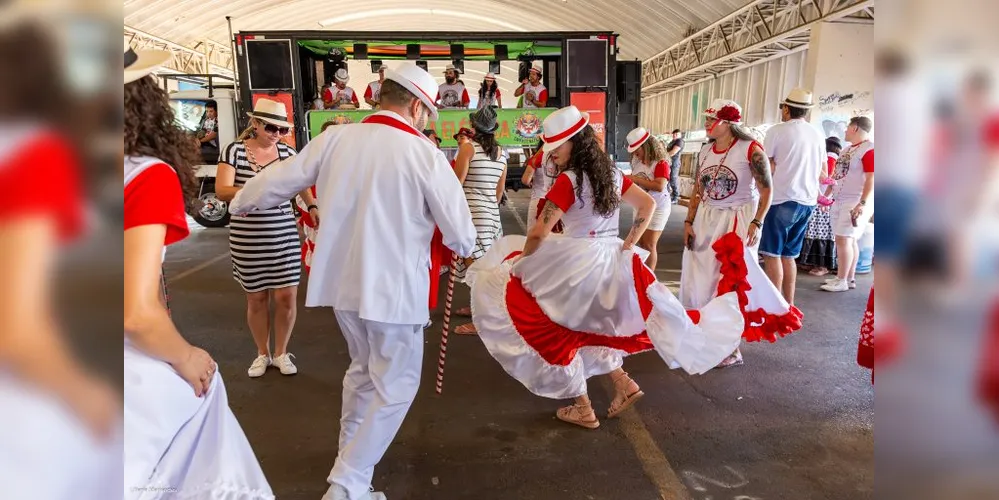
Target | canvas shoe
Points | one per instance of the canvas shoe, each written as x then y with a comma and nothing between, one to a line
836,286
283,362
259,366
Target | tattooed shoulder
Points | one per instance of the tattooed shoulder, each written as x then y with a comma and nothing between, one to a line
548,212
760,166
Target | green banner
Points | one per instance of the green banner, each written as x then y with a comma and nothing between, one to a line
517,127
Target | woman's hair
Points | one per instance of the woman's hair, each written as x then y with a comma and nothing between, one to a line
150,130
487,90
833,146
740,133
654,151
247,132
488,143
587,158
32,87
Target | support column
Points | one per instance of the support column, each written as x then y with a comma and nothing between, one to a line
840,73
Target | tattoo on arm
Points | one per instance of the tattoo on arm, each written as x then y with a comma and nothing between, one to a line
760,166
638,222
548,212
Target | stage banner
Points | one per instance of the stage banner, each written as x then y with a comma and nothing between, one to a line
286,99
517,127
594,103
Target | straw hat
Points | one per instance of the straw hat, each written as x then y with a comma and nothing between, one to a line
536,68
636,138
341,75
562,125
490,76
139,63
272,112
799,98
417,82
450,67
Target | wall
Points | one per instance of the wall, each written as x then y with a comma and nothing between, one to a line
840,72
758,89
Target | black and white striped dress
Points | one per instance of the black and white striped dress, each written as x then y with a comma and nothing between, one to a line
480,184
265,246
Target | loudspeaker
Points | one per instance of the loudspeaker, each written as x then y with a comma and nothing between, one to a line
523,70
457,51
360,51
413,51
423,64
500,52
459,65
629,81
494,67
375,64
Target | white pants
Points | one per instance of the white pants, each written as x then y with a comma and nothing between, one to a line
379,387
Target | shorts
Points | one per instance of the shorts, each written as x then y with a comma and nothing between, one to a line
784,229
842,223
660,216
897,205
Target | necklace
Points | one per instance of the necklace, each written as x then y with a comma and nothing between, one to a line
252,160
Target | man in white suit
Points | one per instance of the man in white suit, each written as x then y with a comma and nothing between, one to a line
384,186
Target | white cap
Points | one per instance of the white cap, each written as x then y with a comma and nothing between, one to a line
341,75
418,82
636,138
561,125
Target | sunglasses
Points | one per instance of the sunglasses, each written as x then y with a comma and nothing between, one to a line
275,129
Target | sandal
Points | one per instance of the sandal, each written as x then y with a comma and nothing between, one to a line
581,415
624,385
467,329
734,359
819,271
464,311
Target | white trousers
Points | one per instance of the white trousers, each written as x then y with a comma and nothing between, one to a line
378,389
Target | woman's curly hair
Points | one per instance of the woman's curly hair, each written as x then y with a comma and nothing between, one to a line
150,130
587,158
655,151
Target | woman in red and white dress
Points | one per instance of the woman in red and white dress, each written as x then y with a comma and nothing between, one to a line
554,310
722,231
180,435
650,172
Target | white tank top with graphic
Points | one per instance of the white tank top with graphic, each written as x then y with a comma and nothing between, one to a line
451,95
726,177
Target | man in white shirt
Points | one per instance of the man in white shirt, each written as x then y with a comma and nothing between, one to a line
534,92
384,187
798,161
374,90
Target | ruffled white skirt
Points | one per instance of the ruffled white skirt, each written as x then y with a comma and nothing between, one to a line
180,446
578,306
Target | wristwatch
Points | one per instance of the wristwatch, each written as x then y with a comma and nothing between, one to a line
313,206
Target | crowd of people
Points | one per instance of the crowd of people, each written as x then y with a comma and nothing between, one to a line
564,303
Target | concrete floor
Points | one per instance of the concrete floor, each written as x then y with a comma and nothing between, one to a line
795,422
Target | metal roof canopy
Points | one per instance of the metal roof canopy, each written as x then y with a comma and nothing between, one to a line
760,31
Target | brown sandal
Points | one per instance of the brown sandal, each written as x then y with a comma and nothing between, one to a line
464,312
623,385
467,329
581,415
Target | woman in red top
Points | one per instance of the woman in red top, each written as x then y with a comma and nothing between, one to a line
179,430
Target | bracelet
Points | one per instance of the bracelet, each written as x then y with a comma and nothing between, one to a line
757,222
863,202
313,206
689,222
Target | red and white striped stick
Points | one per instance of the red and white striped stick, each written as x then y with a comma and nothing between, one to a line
448,299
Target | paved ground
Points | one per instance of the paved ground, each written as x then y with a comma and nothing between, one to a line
796,422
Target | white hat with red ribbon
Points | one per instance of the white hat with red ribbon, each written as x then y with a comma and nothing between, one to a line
729,111
636,138
561,125
418,82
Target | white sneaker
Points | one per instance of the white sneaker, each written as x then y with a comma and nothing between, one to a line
836,286
337,492
283,362
259,366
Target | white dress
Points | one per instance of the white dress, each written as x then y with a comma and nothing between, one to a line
177,446
579,305
720,262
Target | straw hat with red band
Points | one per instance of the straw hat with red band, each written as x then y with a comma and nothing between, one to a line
418,82
561,125
636,138
536,68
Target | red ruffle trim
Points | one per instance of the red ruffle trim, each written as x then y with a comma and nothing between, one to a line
760,325
556,344
988,381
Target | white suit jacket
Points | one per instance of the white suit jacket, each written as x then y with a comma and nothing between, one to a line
381,186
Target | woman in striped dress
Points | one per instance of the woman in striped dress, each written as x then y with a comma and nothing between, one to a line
481,168
265,246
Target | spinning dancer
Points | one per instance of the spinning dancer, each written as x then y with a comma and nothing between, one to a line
730,199
554,310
